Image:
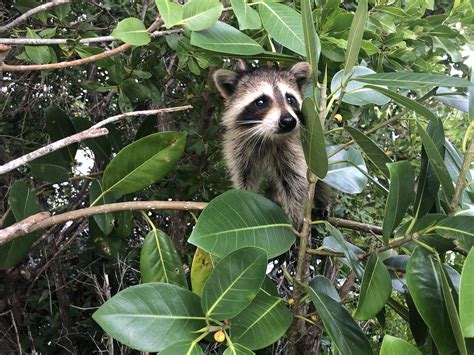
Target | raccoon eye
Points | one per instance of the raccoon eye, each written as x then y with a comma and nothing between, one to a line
290,99
260,102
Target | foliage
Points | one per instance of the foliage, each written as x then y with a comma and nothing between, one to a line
389,128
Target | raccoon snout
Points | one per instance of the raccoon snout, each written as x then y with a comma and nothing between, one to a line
286,124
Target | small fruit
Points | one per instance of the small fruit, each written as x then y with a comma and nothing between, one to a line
219,336
314,317
291,301
338,117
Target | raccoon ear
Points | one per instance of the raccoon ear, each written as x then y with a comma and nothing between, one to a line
225,81
302,72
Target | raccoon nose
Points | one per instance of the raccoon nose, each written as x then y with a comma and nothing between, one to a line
287,123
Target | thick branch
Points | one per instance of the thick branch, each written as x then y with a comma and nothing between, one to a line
32,12
43,220
461,183
94,131
90,133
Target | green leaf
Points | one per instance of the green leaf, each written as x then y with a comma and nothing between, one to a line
171,12
159,261
241,218
37,54
452,311
143,162
376,155
248,18
323,285
262,323
151,317
346,170
199,15
188,347
131,31
424,284
50,167
375,289
405,101
356,34
458,227
105,245
466,295
356,92
22,200
104,221
200,270
237,349
284,24
395,346
312,138
88,51
100,146
437,161
224,38
59,126
311,40
400,196
234,283
409,80
346,335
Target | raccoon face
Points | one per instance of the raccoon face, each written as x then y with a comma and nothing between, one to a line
263,102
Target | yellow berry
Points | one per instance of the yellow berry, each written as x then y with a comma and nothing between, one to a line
314,317
291,301
219,336
338,117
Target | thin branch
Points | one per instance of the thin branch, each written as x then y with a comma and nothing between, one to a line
94,131
89,133
461,182
32,12
363,227
52,41
43,220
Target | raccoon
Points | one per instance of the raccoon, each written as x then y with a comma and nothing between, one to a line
262,122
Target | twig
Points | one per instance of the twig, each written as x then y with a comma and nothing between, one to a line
52,41
32,12
89,133
461,182
363,227
43,220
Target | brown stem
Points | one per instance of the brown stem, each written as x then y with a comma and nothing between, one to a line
461,182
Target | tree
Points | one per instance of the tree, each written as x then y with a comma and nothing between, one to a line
110,151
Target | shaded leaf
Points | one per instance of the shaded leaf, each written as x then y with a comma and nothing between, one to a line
58,126
188,347
411,80
323,285
131,31
104,221
356,34
37,54
311,40
466,295
237,349
458,227
393,346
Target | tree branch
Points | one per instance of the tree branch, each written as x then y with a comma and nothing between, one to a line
363,227
32,12
89,133
43,220
461,182
94,131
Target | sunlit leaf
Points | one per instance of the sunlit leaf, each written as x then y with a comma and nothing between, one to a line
466,295
393,346
171,12
356,34
199,15
131,31
413,80
248,18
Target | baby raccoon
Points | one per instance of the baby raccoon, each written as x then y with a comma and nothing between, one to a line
262,122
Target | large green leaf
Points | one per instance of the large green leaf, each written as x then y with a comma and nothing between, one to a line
452,311
58,126
311,40
151,317
224,38
104,221
436,159
424,284
323,285
375,154
248,18
51,167
241,218
396,346
374,290
466,295
143,162
345,333
132,31
171,12
188,347
159,261
346,170
458,227
237,349
284,24
199,15
356,34
312,138
413,80
234,283
356,92
37,54
262,323
400,195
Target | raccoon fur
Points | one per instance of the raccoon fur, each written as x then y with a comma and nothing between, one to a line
262,122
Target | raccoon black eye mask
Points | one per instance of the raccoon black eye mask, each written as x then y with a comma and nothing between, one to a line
262,121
